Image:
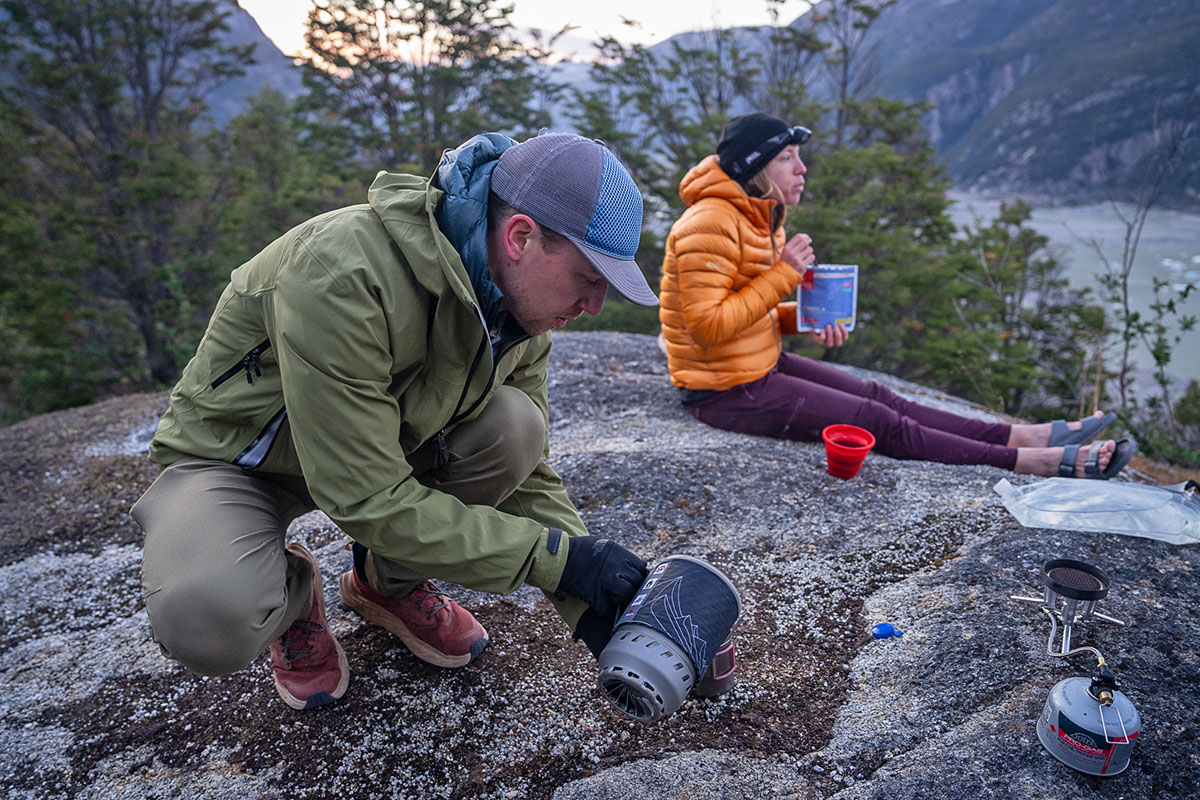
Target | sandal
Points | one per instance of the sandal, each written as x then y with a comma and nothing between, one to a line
1061,435
1091,466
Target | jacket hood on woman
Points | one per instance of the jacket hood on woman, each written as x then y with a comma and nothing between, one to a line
723,285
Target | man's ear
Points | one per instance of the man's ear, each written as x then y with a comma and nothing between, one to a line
520,233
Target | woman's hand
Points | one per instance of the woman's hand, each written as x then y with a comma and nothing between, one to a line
799,252
832,335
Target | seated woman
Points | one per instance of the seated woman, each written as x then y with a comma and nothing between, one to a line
727,270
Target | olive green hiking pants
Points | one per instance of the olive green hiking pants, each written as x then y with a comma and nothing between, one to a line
219,586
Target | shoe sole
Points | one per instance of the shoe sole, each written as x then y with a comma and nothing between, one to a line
377,615
320,698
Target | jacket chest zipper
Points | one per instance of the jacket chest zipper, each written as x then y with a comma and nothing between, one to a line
440,456
248,365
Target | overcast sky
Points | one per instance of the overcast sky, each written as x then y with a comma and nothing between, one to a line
283,20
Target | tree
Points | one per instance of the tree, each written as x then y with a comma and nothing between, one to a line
791,58
880,201
59,344
267,176
116,86
1173,141
1025,334
1154,423
843,25
405,80
662,112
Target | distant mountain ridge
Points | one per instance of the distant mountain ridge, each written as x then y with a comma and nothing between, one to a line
1055,100
271,70
1048,97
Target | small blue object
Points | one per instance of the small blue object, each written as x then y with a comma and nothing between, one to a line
884,630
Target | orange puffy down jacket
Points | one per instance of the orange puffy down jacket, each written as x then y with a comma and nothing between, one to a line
722,287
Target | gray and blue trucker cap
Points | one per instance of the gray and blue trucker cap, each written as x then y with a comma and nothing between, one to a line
576,187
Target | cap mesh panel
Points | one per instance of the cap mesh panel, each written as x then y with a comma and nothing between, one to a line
617,223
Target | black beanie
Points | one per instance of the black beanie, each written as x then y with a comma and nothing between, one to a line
749,142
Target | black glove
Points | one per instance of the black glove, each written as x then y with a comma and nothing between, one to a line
594,631
602,574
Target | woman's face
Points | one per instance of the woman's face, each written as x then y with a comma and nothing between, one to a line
786,171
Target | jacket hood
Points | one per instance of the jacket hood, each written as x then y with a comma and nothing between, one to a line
405,205
465,175
707,179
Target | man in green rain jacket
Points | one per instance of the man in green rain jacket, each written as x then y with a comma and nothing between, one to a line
386,363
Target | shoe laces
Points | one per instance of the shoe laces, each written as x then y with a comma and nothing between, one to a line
300,640
429,599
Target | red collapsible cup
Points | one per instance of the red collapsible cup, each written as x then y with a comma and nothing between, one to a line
845,448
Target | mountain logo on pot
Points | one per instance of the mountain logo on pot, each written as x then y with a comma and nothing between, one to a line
667,612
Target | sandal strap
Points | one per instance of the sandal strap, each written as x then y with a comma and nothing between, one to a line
1091,427
1091,465
1066,467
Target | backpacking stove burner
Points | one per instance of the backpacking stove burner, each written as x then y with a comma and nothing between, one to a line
1079,586
1075,579
1089,725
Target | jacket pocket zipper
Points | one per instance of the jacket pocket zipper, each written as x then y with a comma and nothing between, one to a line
248,365
441,456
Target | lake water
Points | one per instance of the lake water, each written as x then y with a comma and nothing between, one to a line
1169,250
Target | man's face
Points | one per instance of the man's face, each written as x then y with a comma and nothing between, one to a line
545,287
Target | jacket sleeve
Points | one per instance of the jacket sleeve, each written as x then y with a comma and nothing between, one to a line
542,496
708,252
336,368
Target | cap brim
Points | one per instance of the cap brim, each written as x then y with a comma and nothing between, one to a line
623,275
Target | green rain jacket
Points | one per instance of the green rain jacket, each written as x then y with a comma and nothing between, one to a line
347,343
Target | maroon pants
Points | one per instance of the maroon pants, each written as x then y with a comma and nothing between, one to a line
798,398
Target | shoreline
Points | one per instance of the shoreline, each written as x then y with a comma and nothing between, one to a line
1169,250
